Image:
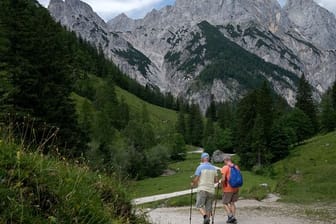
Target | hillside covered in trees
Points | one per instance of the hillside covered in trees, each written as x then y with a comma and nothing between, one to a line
261,128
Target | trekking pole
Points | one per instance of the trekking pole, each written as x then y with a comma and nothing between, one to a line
191,202
214,210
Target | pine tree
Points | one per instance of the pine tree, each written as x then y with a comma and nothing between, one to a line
226,117
280,142
181,124
254,125
333,95
224,139
265,110
300,123
259,145
212,111
209,130
305,102
195,126
328,115
246,115
178,147
209,136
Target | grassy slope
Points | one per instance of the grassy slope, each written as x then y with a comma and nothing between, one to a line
158,114
181,181
43,189
308,174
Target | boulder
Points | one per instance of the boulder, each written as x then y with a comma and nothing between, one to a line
217,156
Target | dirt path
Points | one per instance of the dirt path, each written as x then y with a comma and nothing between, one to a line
249,212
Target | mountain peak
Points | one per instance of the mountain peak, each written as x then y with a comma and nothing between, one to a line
53,2
123,15
299,2
121,23
75,14
314,22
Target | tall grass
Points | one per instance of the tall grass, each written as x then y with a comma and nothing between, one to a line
39,188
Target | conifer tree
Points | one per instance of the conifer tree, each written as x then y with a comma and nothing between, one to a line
224,139
265,110
328,115
254,125
195,126
280,143
300,123
209,134
305,102
181,124
226,117
178,147
212,111
258,141
333,95
246,114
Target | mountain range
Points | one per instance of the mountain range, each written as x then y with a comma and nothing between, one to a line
197,49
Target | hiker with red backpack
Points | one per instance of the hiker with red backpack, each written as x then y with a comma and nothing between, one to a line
231,181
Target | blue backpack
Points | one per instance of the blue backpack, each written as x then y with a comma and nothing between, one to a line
236,179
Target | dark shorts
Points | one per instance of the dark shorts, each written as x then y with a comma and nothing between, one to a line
204,200
229,197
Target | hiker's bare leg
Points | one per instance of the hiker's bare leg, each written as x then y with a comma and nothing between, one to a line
233,208
227,208
203,212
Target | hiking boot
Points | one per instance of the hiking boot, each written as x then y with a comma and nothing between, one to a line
231,219
206,220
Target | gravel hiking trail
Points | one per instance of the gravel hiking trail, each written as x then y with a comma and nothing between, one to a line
251,212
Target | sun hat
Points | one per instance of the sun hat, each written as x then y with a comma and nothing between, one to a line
205,155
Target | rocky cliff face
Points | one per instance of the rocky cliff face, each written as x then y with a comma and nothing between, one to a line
175,50
315,23
80,18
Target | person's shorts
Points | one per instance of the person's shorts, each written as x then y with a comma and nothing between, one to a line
229,197
204,200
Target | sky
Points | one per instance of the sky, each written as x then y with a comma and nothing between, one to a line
108,9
